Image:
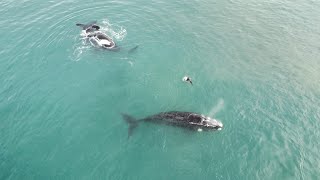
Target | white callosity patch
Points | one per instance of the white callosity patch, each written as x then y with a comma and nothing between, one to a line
104,41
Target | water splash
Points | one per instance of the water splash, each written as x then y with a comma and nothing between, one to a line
131,63
115,31
218,107
79,49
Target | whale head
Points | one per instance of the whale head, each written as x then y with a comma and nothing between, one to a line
208,123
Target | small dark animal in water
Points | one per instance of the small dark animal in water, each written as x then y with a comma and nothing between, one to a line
187,79
187,120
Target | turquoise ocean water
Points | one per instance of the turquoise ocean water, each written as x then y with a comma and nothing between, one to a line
254,64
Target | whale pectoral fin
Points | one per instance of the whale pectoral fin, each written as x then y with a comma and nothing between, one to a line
133,49
199,130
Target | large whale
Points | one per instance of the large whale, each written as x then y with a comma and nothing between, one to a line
187,120
97,38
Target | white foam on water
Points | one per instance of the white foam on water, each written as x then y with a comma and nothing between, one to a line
83,33
78,51
115,31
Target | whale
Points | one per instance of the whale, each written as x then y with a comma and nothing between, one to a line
189,120
97,38
91,31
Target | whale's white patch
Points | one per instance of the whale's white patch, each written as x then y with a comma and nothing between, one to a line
104,41
199,130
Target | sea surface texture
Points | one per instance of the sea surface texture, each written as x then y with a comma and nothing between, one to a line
255,66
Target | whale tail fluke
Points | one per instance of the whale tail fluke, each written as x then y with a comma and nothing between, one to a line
133,49
133,123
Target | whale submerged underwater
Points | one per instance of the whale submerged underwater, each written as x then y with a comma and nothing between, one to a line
189,120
